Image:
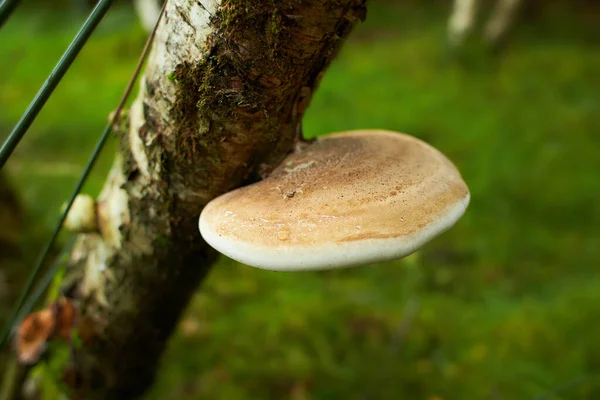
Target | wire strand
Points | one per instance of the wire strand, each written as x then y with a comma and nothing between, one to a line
53,80
6,8
18,310
44,282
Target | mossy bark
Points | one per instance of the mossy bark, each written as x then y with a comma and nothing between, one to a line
222,99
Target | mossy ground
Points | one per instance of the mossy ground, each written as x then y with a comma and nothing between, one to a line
504,306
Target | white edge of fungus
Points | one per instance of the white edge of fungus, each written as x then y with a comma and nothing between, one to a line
331,255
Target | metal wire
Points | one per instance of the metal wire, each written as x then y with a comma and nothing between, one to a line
53,79
19,311
44,282
40,261
6,8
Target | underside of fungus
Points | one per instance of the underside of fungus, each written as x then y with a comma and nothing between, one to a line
347,199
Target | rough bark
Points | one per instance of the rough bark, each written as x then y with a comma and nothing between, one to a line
222,99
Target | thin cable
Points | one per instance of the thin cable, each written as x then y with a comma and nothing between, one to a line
44,282
13,320
40,261
53,79
6,8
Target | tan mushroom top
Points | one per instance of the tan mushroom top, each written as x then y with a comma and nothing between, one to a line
347,199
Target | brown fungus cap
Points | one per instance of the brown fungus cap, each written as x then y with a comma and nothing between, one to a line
347,199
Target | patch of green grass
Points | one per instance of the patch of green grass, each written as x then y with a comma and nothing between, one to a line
50,158
503,306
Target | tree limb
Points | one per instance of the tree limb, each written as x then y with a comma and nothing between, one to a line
223,95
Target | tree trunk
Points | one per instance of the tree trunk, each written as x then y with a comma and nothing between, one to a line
222,98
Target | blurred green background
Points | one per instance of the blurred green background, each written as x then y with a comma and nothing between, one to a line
506,305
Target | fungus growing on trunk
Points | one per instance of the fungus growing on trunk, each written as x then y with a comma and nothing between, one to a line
82,215
347,199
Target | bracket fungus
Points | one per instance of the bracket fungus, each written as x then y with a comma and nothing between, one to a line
347,199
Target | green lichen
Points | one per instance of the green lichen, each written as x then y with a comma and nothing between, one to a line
172,77
275,31
216,89
227,87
